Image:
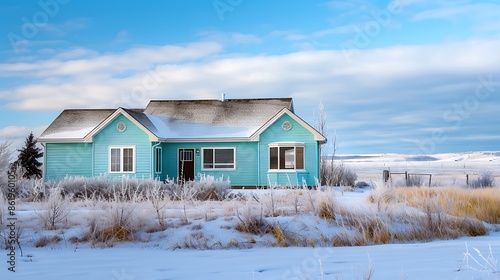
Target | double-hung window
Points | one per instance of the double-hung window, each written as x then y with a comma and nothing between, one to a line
219,158
122,159
286,156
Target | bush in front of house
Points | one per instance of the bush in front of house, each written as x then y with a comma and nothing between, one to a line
336,174
205,187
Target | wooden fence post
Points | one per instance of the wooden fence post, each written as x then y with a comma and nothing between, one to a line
386,175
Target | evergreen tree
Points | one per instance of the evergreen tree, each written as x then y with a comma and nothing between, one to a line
28,159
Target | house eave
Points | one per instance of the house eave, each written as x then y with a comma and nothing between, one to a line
211,140
62,140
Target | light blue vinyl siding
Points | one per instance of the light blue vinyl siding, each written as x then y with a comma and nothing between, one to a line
275,133
245,173
132,136
252,157
67,159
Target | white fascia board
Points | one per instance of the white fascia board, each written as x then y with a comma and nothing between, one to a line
317,136
118,112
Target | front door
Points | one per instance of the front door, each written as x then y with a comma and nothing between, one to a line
186,164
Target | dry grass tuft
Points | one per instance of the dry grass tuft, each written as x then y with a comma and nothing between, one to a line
252,224
156,228
326,211
105,234
197,227
278,234
116,232
45,240
470,227
383,196
373,230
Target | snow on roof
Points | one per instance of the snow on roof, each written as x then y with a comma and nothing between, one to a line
75,123
170,128
178,119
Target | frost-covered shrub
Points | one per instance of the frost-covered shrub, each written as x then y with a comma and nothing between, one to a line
211,188
54,209
336,174
102,187
485,181
206,187
3,201
159,198
31,189
5,157
414,181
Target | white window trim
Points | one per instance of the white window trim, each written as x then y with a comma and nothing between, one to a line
156,160
287,145
121,159
217,148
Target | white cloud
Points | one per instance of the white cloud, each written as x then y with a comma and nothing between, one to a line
62,29
460,10
121,37
230,38
482,17
322,33
135,59
13,131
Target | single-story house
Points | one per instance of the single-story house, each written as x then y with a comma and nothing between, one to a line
253,142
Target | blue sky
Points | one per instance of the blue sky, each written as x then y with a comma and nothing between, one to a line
403,76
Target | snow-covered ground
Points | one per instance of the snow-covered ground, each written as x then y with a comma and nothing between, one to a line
153,255
435,260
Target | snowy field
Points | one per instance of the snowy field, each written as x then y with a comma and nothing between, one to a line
446,169
435,260
156,255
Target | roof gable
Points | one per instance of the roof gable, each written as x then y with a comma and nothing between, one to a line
135,116
317,136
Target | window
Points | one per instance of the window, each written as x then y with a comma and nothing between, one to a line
286,156
218,158
186,155
121,159
158,160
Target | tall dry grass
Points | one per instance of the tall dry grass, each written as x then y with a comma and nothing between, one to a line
482,204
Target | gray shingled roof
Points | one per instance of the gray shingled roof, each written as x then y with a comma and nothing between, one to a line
178,118
231,112
75,123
